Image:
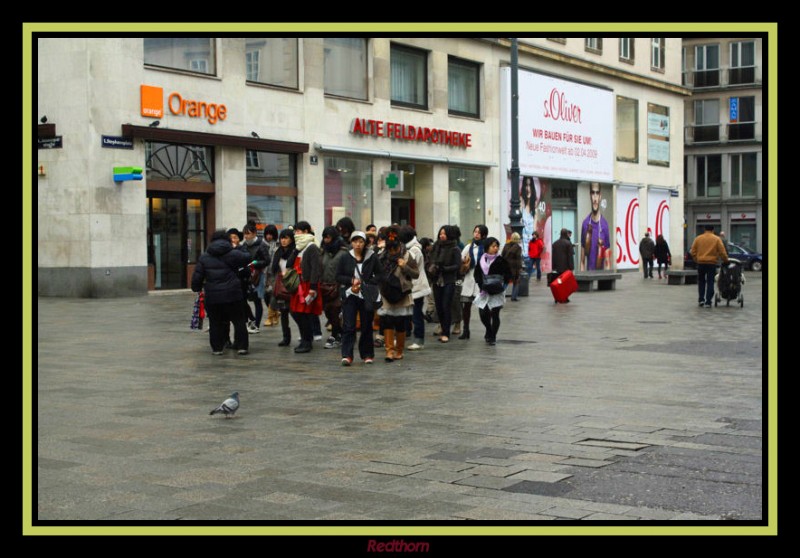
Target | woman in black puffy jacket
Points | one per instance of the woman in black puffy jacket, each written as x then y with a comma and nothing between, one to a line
217,273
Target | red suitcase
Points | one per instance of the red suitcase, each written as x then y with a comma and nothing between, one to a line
563,286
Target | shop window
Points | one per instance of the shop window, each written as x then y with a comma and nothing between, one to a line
463,87
627,130
466,207
409,77
271,188
272,60
345,67
658,126
348,190
191,54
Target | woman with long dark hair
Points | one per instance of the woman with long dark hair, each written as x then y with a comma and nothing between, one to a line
445,262
282,260
470,255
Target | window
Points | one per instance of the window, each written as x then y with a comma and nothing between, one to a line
594,44
348,190
466,199
346,67
272,61
187,163
657,53
657,135
706,66
683,66
626,49
409,77
743,118
627,130
744,175
193,54
709,176
743,63
271,188
463,87
706,120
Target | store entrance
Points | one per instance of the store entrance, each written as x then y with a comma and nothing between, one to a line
176,228
403,211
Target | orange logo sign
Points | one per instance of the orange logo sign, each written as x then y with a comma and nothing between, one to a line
152,99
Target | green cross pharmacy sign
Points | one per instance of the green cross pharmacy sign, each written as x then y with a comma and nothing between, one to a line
392,181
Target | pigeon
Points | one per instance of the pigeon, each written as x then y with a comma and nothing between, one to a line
229,406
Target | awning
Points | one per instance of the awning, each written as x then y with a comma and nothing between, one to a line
402,156
167,135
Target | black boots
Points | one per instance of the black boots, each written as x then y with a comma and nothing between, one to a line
464,333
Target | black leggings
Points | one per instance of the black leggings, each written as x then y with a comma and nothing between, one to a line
491,321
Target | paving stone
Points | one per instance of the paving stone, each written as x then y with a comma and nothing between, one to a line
568,513
575,462
538,476
484,481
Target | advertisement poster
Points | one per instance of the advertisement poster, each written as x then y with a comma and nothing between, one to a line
595,204
658,213
627,242
566,129
535,206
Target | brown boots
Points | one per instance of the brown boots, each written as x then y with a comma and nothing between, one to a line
394,343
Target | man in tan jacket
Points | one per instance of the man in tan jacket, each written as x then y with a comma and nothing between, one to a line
707,249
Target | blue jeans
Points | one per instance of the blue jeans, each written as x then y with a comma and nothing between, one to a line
366,347
705,282
530,263
417,321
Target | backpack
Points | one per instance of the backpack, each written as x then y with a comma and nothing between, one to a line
393,290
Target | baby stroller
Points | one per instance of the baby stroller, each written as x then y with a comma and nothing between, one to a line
729,283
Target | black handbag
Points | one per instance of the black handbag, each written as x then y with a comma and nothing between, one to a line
494,284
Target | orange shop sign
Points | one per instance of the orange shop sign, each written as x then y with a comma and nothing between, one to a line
152,105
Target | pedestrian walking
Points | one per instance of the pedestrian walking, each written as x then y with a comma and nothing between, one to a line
470,256
663,255
259,254
333,249
707,250
283,260
398,271
489,302
306,303
358,273
646,250
420,288
512,254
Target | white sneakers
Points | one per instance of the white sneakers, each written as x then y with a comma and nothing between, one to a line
415,347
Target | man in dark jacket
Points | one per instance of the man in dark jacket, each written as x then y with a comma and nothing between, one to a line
646,250
260,256
563,253
217,273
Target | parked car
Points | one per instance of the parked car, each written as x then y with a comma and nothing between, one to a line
752,261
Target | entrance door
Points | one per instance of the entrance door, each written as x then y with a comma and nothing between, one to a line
403,211
175,239
565,219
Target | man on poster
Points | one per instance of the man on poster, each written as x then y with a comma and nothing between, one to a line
595,235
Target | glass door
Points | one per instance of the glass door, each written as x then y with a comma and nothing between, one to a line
175,239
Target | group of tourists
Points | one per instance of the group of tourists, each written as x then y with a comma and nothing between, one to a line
376,288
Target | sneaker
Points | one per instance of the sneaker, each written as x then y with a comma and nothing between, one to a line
242,352
217,353
415,347
700,304
347,361
708,305
253,328
332,342
369,360
318,338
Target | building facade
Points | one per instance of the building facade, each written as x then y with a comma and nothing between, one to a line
383,130
724,137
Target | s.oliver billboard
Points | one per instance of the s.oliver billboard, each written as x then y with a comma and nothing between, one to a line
566,129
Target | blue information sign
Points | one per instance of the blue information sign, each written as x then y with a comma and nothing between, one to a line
734,109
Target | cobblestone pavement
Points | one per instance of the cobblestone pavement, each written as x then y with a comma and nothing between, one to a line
625,405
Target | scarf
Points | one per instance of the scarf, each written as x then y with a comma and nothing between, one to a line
389,260
302,240
441,251
472,254
486,262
